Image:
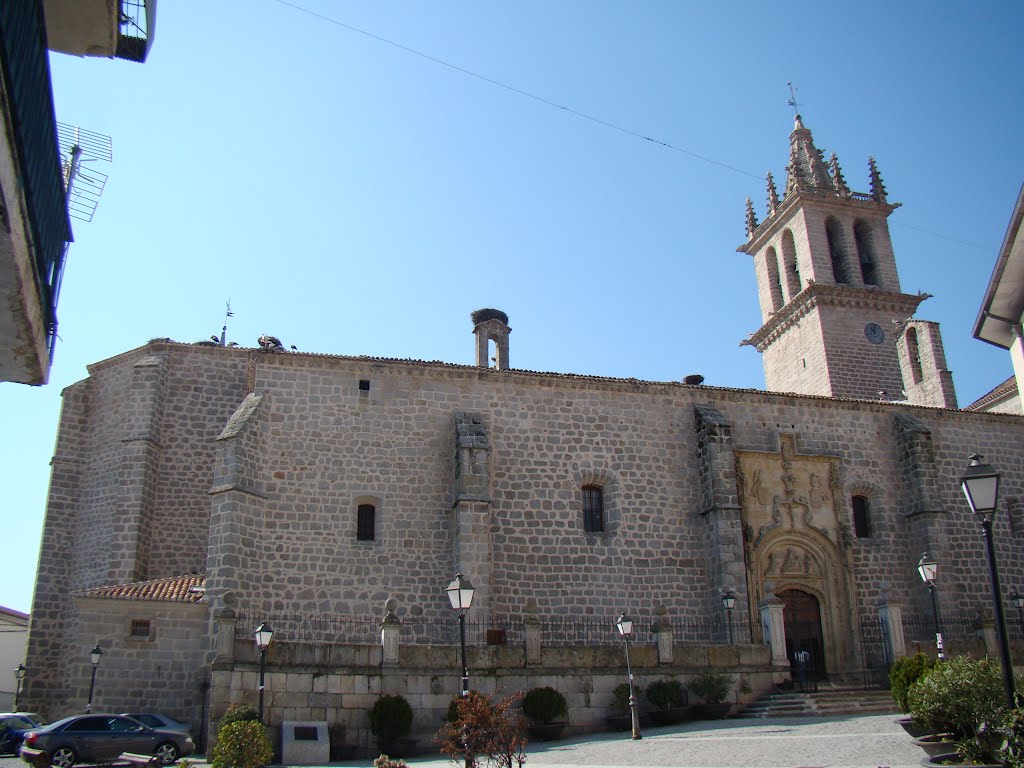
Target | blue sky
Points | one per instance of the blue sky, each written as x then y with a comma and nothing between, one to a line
352,197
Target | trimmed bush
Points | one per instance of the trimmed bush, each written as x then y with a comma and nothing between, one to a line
906,671
390,717
242,744
958,695
239,713
544,705
619,704
666,694
712,687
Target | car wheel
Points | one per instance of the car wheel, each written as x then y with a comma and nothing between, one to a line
166,752
63,757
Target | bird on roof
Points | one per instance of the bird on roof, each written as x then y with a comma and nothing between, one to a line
270,342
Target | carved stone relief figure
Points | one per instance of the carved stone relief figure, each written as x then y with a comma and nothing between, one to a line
818,495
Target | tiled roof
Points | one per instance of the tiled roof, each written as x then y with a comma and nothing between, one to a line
177,589
999,392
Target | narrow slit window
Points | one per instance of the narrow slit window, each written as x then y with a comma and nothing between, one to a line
366,522
593,509
861,517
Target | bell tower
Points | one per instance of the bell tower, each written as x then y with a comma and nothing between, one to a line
831,303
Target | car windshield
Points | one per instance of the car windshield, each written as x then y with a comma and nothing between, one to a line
17,721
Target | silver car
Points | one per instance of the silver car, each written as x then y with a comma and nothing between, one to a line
157,720
100,739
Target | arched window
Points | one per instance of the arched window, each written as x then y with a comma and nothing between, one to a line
366,522
861,517
865,252
834,233
914,355
790,265
593,509
774,283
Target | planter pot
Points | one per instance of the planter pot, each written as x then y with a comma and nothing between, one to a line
911,726
546,731
397,747
953,760
670,716
937,743
710,711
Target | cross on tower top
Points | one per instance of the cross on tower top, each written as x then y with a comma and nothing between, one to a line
792,99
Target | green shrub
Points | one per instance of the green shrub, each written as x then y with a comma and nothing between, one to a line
1012,750
958,695
242,744
906,671
712,687
666,694
390,718
544,705
239,713
619,704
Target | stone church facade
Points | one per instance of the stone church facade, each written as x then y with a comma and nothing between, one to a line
197,489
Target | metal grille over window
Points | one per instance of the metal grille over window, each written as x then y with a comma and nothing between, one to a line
140,629
593,509
365,522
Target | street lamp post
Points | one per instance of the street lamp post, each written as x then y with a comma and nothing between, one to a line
928,567
19,676
729,602
460,595
625,627
94,658
263,636
1018,602
980,484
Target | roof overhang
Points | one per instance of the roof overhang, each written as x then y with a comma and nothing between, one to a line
1003,305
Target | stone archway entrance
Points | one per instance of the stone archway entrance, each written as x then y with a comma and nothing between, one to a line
802,619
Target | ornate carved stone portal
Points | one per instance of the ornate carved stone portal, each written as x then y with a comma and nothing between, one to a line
796,537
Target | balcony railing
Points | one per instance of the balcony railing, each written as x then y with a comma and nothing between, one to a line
25,74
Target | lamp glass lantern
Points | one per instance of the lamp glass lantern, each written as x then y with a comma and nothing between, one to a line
624,625
1017,599
928,568
729,599
95,655
19,672
980,484
263,635
460,593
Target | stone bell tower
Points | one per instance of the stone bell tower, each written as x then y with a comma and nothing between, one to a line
831,304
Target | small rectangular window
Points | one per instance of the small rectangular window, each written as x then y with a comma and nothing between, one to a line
366,522
593,509
139,629
364,385
861,518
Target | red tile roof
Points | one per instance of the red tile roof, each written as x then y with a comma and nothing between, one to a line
178,589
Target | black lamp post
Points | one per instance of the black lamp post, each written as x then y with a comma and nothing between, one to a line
19,675
460,595
980,484
1018,602
263,636
625,627
729,602
94,658
928,567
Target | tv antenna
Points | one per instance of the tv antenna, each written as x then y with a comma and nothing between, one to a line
792,99
83,184
224,330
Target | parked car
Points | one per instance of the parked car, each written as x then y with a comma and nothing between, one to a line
13,727
156,720
100,739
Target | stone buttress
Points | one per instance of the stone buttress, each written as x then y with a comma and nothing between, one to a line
471,508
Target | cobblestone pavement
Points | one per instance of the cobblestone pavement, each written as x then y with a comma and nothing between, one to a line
836,742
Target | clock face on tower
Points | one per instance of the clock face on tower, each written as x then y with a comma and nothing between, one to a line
874,333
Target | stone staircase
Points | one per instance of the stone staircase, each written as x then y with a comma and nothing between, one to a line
828,701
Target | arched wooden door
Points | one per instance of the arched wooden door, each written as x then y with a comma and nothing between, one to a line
802,619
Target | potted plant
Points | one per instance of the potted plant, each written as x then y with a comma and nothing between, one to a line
906,671
958,701
669,700
546,710
390,722
713,688
619,717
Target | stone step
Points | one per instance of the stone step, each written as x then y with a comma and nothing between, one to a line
825,702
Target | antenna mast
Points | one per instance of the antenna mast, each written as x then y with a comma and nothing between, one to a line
224,330
792,99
